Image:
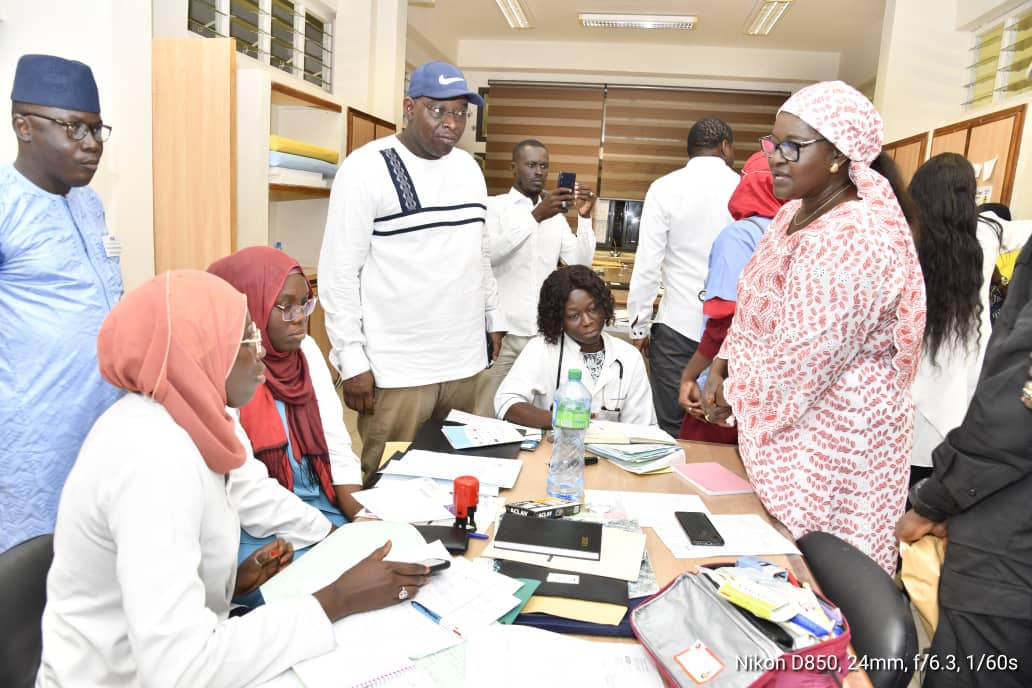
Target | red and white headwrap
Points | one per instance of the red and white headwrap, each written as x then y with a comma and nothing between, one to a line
848,120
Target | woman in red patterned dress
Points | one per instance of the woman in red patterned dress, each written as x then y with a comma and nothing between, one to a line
817,366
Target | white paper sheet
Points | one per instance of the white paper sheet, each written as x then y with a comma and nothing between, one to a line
412,501
417,462
469,595
520,656
388,479
469,419
742,533
647,508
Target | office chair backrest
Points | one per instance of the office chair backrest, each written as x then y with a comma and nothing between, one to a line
878,612
23,594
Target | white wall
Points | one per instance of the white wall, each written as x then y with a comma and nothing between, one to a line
971,14
113,38
923,66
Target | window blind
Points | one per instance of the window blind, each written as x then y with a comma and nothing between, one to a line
646,131
986,52
567,119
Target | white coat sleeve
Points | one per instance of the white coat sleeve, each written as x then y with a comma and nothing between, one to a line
527,379
345,467
176,639
267,508
653,235
494,319
579,249
345,247
509,225
637,407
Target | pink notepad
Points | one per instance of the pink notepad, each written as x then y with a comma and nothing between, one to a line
712,478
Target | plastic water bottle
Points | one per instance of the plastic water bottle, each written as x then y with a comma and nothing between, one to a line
570,417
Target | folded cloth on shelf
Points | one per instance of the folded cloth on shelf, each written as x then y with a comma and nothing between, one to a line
283,175
309,150
299,162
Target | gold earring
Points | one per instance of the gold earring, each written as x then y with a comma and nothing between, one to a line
834,168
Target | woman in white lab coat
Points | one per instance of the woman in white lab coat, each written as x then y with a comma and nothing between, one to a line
145,547
574,307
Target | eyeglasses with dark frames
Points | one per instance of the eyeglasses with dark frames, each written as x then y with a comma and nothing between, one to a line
76,130
789,149
438,112
294,311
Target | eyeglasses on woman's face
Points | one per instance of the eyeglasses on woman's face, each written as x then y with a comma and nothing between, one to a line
789,149
294,311
252,335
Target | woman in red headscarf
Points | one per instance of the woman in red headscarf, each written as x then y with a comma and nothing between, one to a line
295,420
752,205
146,538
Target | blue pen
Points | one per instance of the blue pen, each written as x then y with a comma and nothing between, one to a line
477,536
436,618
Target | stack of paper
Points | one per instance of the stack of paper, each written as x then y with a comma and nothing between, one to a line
639,459
611,432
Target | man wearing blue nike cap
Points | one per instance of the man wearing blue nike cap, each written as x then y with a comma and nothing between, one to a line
404,274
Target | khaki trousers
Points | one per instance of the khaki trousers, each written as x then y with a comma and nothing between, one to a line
490,379
400,411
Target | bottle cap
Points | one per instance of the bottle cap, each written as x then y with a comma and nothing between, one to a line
574,374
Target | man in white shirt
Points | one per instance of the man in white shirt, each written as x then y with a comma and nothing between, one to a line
404,275
683,213
527,235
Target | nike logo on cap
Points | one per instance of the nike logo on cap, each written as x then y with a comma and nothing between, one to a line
447,81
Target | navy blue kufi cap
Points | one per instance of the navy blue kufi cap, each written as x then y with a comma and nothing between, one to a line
55,82
440,81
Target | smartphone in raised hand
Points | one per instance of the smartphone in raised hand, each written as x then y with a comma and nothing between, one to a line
567,180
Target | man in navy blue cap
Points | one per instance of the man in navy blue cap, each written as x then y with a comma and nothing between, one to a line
404,274
59,277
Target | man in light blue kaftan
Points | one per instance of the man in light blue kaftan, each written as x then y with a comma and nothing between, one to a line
59,277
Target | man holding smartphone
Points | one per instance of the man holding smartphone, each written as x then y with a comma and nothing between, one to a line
527,235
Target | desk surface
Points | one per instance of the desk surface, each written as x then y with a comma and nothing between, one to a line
605,476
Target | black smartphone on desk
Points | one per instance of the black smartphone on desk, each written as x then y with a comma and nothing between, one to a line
699,528
567,180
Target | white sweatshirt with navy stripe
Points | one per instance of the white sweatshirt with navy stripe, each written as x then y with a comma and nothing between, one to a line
404,274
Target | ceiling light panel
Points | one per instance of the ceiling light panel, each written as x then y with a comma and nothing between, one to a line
515,13
638,21
765,16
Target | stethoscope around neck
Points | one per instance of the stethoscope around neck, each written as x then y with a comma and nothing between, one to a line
619,377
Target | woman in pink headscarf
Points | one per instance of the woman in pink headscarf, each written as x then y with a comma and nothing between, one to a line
817,366
145,548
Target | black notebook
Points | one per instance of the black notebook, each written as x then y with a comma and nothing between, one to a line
558,537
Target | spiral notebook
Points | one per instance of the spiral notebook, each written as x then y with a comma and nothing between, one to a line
362,669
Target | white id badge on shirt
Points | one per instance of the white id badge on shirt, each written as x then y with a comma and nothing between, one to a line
112,246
